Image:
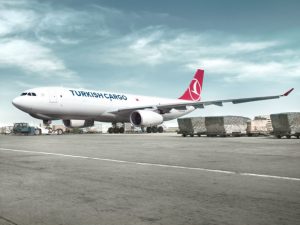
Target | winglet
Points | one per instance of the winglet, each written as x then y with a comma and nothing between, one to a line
288,92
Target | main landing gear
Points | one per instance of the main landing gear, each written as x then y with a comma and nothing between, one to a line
155,129
119,128
116,129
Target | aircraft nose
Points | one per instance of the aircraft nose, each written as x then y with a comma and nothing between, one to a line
17,102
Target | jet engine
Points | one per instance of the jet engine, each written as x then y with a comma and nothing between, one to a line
145,118
78,123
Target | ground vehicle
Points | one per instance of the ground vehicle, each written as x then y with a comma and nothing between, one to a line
58,129
25,129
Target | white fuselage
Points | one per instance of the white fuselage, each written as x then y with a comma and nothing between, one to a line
69,103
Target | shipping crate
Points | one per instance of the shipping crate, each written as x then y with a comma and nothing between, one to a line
191,126
286,124
226,125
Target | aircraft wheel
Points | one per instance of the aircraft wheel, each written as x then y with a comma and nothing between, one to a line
278,136
154,129
116,130
149,130
110,130
122,130
288,136
160,129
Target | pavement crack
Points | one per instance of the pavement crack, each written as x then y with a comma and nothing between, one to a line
8,220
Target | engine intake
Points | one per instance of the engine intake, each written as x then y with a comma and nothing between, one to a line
78,123
145,118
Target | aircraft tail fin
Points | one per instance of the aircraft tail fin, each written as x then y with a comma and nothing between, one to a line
193,92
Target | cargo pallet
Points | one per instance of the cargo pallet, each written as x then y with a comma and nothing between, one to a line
256,134
233,134
184,134
287,135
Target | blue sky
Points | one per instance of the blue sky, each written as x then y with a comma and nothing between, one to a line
247,48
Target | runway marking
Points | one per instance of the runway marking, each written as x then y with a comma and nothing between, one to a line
154,164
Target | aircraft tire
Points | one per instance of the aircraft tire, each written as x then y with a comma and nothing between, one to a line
116,130
154,129
110,130
149,130
160,129
122,130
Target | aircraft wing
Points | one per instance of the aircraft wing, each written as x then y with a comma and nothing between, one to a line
200,104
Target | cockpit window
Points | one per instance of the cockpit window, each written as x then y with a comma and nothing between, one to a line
28,94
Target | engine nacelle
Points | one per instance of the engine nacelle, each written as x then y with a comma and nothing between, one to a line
145,118
78,123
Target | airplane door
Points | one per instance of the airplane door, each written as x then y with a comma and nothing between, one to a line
53,97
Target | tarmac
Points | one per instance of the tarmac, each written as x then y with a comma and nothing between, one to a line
148,179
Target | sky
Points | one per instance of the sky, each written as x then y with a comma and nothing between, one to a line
247,48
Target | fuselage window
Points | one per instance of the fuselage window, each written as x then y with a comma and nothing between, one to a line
23,94
33,94
29,94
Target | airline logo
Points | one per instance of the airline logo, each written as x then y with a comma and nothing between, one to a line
98,95
195,90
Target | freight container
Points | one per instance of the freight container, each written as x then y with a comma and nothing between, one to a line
6,130
286,124
191,126
226,126
259,126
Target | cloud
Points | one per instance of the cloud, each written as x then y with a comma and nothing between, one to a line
32,58
251,46
238,58
12,21
236,70
132,45
158,45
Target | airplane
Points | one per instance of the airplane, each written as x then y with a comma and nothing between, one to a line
81,108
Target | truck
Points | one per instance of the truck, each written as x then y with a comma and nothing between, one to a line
58,129
24,129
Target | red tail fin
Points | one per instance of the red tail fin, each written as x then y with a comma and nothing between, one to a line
193,93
